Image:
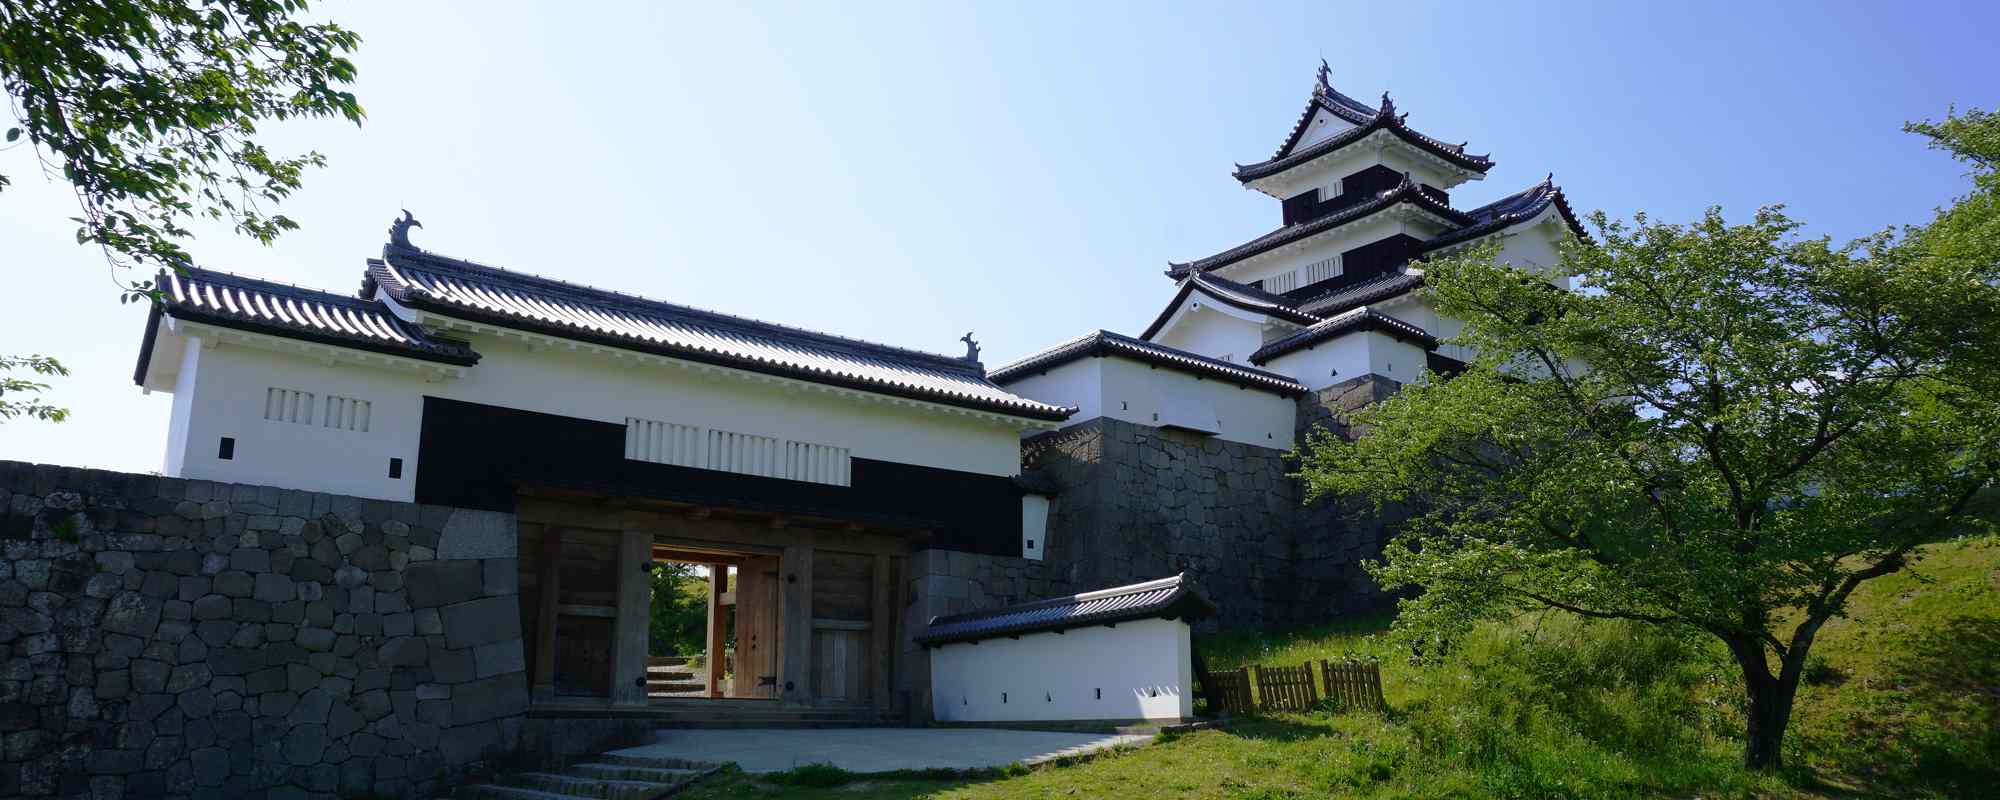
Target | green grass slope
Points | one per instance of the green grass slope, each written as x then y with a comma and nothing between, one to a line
1903,701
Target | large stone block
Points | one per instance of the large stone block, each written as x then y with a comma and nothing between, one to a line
489,698
477,534
483,621
439,583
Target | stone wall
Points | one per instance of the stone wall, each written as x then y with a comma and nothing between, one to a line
1336,537
173,638
1139,502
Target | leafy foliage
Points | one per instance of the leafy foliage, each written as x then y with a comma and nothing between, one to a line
1726,429
11,388
679,616
150,109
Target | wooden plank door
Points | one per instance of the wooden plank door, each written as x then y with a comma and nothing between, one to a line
756,668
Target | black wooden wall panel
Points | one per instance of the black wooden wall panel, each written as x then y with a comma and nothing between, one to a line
473,455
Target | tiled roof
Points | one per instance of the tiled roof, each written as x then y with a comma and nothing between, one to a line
234,301
1365,121
466,290
1381,287
1520,206
1238,295
1106,343
1406,192
1363,318
1167,598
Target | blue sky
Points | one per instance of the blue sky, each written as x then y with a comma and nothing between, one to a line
904,173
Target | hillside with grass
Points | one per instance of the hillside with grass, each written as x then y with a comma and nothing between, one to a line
1902,700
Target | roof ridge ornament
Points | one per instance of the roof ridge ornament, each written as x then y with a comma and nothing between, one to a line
1325,76
1388,108
971,348
399,230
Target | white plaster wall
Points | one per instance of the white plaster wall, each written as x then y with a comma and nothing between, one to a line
1210,330
228,393
1148,395
183,410
1141,393
1079,383
1142,670
227,399
1324,125
1351,356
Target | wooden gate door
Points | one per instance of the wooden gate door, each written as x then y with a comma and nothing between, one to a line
842,609
756,668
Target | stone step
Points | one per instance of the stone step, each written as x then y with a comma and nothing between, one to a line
584,786
666,661
626,772
670,671
489,791
652,762
675,686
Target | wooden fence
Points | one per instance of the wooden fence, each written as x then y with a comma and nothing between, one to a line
1351,684
1228,692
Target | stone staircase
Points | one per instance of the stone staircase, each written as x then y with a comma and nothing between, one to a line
670,676
608,777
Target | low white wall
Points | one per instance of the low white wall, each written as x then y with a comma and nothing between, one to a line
1137,670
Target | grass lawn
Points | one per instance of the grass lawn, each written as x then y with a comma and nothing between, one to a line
1903,701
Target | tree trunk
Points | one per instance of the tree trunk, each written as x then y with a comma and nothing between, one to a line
1770,710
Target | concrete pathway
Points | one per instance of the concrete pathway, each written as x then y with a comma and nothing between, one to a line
875,749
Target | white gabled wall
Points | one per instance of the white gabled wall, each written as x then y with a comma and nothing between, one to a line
1351,356
224,390
1205,328
1137,670
1141,393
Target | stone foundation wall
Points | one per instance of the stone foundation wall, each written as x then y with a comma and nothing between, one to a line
1140,503
173,638
1336,537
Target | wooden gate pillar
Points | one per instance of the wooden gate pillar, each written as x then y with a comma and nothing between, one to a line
795,624
630,629
718,585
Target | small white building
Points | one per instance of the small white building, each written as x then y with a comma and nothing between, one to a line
1112,655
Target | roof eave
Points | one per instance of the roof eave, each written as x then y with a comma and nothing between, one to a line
423,302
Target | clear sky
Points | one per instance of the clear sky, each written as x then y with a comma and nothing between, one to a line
905,173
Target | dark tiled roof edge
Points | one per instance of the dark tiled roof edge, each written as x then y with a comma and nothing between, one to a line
1106,343
1510,210
382,278
418,345
1407,192
1381,288
1237,295
1383,117
1359,319
1167,598
645,305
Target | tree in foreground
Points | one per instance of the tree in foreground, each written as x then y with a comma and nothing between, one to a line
150,110
1726,429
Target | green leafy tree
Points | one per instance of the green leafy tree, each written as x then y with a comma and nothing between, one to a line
13,389
1725,430
150,110
679,620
